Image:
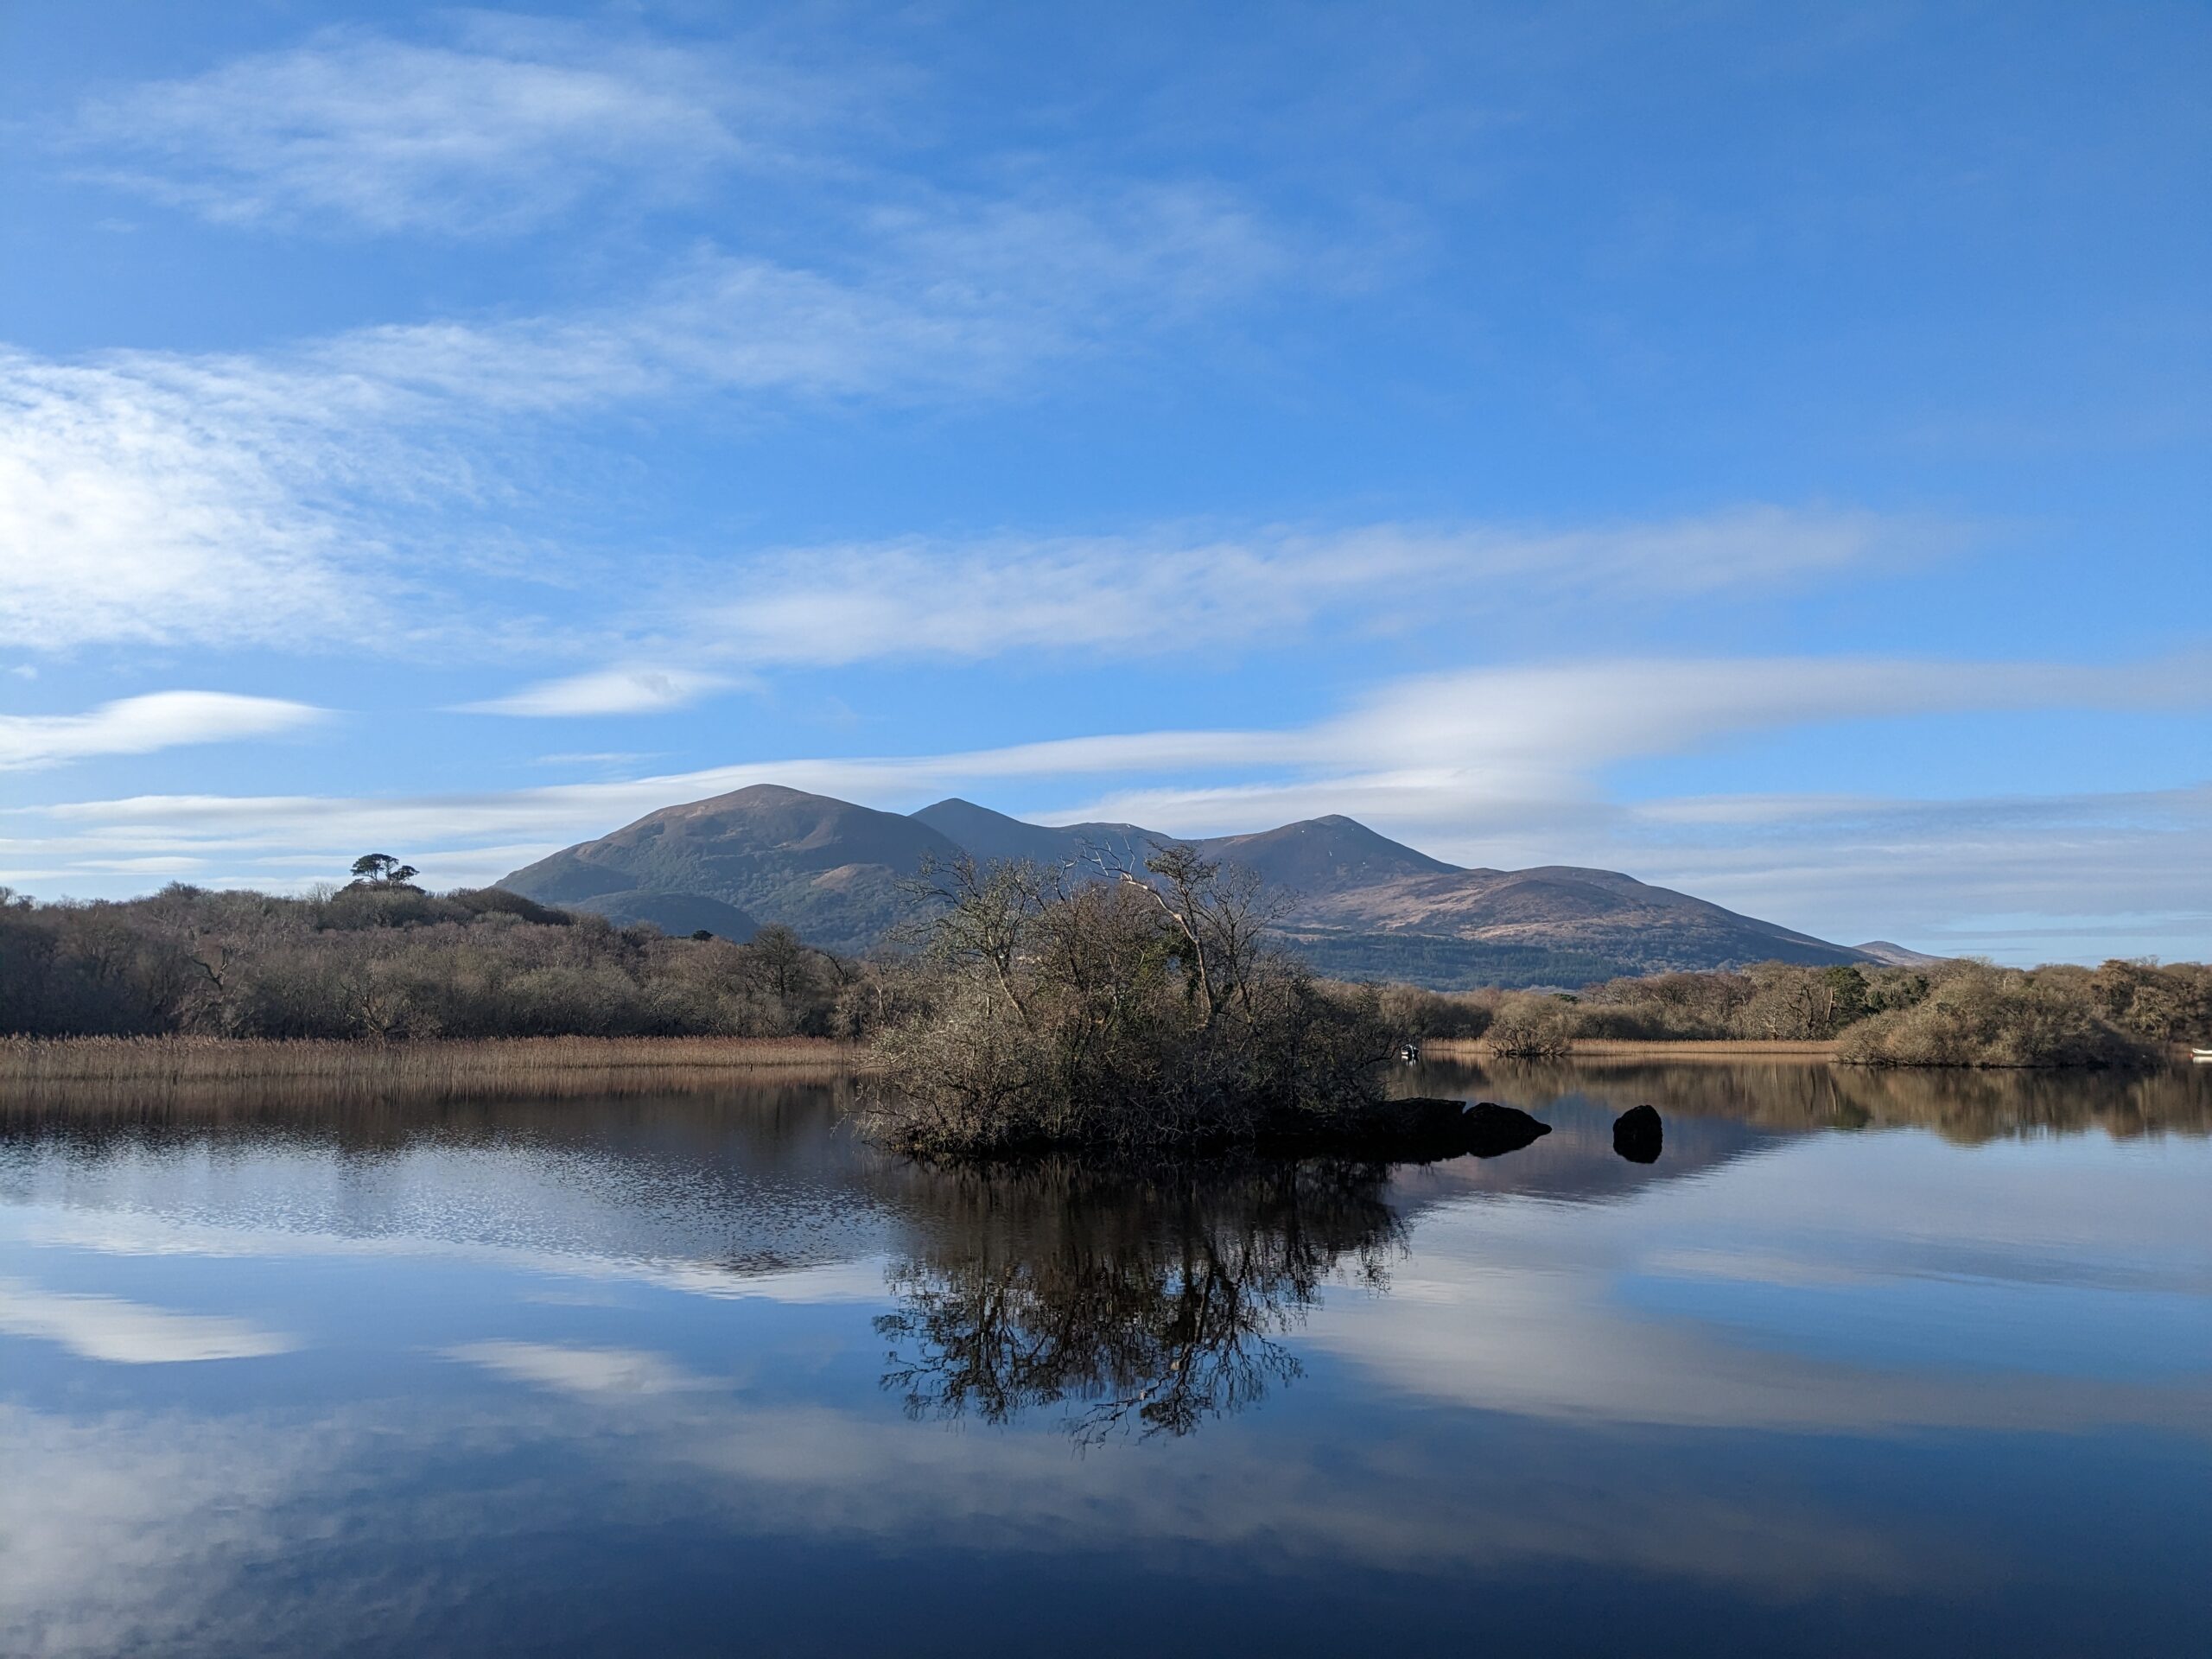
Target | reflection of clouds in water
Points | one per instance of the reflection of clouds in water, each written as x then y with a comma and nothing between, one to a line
131,1333
577,1370
168,1531
1519,1308
129,1235
118,1532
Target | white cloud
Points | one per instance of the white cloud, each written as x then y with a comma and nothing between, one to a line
148,499
1498,768
511,123
323,493
1173,590
611,691
131,1333
160,720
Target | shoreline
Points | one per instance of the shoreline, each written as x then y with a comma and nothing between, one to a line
1642,1048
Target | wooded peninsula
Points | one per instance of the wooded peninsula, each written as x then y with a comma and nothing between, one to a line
387,961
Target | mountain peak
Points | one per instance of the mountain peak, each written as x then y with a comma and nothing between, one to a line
1360,906
1326,854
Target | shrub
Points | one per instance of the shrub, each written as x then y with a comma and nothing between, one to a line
1977,1014
1530,1026
1142,1012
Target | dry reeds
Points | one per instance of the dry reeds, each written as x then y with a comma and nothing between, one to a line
144,1072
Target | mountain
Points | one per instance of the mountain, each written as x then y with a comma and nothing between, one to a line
1318,856
672,913
1323,857
1895,955
1554,925
831,869
1358,905
986,836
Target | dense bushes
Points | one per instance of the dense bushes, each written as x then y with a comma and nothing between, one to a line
395,962
1979,1015
1144,1011
1959,1013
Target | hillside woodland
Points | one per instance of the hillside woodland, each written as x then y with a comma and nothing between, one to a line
390,961
393,961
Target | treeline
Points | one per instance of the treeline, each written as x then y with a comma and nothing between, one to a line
387,960
391,961
1957,1013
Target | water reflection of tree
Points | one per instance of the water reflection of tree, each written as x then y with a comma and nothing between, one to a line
1145,1304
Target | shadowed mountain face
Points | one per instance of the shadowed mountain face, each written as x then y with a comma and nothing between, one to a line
1359,905
986,836
829,869
1321,855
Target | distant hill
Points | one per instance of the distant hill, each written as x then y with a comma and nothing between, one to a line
672,913
1554,925
1896,956
1327,857
986,836
1359,905
829,869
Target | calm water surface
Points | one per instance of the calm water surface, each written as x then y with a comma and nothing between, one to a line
1860,1364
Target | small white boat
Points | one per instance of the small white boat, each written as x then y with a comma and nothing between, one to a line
2202,1056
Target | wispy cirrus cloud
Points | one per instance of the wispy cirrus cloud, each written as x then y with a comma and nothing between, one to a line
1178,588
292,497
610,691
497,126
1182,590
160,720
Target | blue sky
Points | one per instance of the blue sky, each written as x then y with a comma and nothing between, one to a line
1760,449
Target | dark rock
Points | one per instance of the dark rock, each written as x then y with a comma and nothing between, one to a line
1492,1130
1415,1129
1419,1115
1638,1134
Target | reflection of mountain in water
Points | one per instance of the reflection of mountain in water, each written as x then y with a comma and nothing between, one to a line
1145,1303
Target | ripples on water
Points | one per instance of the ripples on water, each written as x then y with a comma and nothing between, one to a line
1910,1363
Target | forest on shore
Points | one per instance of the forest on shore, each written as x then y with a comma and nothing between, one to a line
389,961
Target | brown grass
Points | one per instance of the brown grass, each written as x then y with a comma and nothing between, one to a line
157,1070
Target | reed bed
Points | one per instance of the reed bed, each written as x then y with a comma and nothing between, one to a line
151,1071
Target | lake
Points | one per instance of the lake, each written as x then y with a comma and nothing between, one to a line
1907,1363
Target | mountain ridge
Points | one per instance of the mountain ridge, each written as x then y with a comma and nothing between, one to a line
1358,905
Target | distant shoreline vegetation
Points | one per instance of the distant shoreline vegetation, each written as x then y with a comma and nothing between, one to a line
382,960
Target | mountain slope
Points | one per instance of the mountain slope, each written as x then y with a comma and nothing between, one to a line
986,836
1321,857
1358,905
672,913
831,869
1556,924
1895,955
